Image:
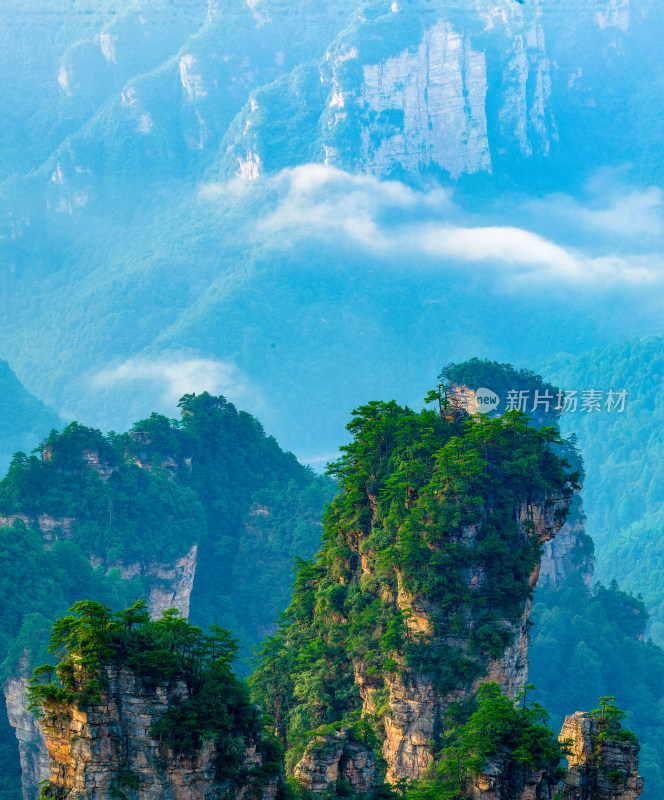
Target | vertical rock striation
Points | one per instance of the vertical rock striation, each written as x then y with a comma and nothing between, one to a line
571,550
602,765
411,89
32,749
106,749
426,106
415,702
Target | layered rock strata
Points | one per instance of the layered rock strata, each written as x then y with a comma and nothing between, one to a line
106,750
329,759
415,704
603,765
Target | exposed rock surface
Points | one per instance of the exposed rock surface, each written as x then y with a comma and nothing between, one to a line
330,758
105,748
600,768
571,550
420,89
427,106
502,779
32,750
167,585
170,586
415,705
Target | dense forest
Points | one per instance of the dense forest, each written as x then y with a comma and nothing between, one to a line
624,456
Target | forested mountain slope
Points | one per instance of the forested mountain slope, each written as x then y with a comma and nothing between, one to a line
206,514
169,223
624,490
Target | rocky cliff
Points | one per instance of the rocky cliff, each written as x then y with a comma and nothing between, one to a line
414,699
167,584
603,763
31,745
408,88
170,586
502,779
106,749
422,590
572,550
329,759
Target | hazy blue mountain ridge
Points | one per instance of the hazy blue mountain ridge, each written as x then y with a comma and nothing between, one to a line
24,420
133,260
623,453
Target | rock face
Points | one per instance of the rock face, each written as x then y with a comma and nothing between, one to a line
571,550
32,750
600,767
502,779
407,88
414,702
170,586
425,106
330,758
106,750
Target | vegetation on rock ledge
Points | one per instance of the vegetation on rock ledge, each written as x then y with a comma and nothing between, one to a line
414,485
92,638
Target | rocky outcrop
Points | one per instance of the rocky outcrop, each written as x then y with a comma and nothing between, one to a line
603,764
328,759
106,749
32,749
409,89
415,704
503,779
172,584
168,586
571,551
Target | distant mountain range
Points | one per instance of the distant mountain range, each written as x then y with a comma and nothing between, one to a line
288,202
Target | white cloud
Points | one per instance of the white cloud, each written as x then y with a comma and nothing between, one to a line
636,213
425,227
527,253
174,376
609,207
